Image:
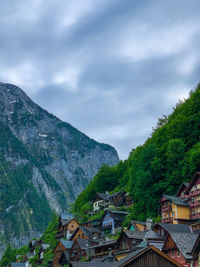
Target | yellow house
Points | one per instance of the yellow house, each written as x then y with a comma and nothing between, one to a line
174,209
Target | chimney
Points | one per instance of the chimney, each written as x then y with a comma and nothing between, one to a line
148,224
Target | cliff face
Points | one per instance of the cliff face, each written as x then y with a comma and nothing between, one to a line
44,164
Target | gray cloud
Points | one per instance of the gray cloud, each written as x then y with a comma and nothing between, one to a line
110,68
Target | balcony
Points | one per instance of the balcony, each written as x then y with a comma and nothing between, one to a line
195,204
166,208
195,193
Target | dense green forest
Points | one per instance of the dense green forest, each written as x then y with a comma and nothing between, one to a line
169,156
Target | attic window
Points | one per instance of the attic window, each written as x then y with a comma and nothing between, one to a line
178,253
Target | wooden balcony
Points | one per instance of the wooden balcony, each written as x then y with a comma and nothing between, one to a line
195,193
166,208
195,204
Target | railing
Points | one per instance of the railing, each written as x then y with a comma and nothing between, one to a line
195,204
195,216
195,193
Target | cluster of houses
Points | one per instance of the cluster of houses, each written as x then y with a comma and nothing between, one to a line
104,242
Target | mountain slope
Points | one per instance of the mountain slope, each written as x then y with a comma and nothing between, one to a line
169,156
44,164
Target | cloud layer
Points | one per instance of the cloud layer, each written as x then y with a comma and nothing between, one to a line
110,68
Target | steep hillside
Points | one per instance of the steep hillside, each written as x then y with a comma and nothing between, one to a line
171,155
44,164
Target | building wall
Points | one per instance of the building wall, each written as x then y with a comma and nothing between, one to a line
58,251
73,225
180,212
79,235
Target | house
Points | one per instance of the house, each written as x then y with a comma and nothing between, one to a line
103,248
193,192
179,246
137,226
128,240
151,238
106,200
148,257
112,221
86,233
61,251
67,225
80,249
173,209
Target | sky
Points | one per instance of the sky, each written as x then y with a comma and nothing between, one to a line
110,68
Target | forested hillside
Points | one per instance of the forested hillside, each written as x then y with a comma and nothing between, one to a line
169,156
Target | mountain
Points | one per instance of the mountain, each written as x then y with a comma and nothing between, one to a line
45,163
171,155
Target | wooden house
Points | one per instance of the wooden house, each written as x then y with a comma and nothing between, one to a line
179,246
174,209
103,248
193,192
128,240
148,257
112,221
61,252
137,226
67,225
86,233
80,249
106,200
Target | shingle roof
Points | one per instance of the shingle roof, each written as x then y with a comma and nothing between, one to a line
119,212
177,201
92,263
175,228
89,231
85,243
67,243
104,244
108,196
184,242
135,234
153,235
143,250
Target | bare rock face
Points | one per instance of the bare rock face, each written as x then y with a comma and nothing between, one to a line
44,164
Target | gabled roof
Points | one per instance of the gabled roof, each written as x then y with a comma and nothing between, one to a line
184,242
138,253
176,200
153,235
92,264
88,231
85,243
174,228
196,246
194,178
135,234
182,187
105,244
67,243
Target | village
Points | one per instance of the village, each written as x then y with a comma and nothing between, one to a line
175,241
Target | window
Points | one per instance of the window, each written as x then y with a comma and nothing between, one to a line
173,254
173,214
178,253
198,186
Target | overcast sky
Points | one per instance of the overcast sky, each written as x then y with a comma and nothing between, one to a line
108,67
